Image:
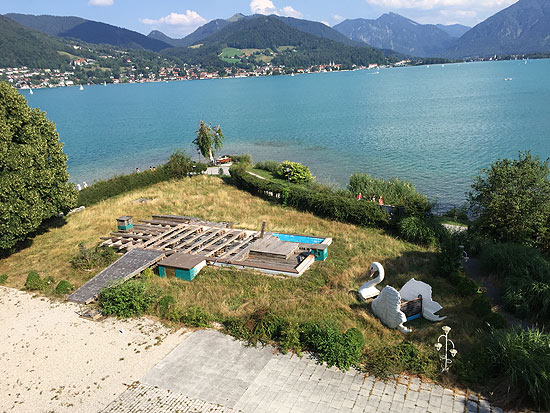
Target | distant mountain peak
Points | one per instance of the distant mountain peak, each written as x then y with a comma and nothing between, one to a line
236,17
395,32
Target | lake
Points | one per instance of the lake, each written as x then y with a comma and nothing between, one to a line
434,126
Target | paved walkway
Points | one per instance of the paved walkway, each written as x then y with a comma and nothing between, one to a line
211,372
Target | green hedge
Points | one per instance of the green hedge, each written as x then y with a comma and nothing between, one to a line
178,166
394,192
328,204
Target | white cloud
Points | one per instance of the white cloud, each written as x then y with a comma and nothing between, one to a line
289,11
101,2
262,7
267,7
189,18
337,18
431,4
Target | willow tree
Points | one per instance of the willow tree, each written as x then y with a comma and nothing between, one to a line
33,169
209,138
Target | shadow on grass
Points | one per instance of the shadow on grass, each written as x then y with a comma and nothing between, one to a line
54,222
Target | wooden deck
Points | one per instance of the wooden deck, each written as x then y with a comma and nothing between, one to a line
127,266
217,242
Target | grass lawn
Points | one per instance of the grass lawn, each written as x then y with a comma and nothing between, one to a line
230,52
324,291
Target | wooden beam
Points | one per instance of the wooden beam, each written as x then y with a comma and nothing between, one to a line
130,235
190,230
232,250
186,244
170,234
160,236
200,242
227,242
222,236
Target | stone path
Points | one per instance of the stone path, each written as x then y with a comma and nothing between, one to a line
210,371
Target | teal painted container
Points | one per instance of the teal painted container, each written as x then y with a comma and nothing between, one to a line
321,255
125,227
162,271
186,275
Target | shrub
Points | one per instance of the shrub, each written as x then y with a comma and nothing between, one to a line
196,317
521,358
512,200
89,258
495,321
458,213
466,286
264,326
481,306
418,230
244,158
236,327
331,346
386,360
270,166
128,299
394,192
34,282
294,172
290,339
3,278
166,304
449,257
63,287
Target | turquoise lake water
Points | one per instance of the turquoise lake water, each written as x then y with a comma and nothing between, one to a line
434,126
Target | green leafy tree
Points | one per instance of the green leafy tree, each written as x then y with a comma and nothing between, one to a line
33,169
512,200
208,138
294,172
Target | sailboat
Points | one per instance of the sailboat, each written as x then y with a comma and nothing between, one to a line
104,83
81,87
30,91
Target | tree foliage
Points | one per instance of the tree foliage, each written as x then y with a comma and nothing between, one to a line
294,172
512,200
209,138
33,169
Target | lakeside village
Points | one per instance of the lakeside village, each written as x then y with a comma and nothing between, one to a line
27,78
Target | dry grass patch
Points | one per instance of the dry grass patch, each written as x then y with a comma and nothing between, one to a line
325,291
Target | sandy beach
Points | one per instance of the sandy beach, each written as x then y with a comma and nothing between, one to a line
52,360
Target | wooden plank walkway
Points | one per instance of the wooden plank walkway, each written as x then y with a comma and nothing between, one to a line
127,266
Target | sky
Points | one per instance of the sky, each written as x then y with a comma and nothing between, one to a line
177,18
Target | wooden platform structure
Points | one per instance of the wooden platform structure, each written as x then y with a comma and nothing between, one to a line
218,243
127,266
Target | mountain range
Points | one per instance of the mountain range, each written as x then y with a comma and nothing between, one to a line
20,46
88,31
521,28
395,32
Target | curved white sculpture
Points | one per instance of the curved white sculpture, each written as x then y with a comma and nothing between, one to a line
412,289
369,290
387,307
387,304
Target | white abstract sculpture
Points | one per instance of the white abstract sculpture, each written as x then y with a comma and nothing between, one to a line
369,290
387,304
412,289
387,307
